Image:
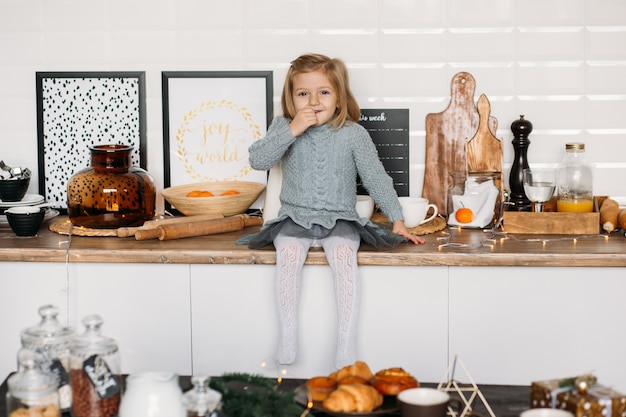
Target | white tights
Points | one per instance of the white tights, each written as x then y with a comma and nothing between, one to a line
341,252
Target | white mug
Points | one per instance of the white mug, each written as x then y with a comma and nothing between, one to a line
364,206
414,210
423,402
546,412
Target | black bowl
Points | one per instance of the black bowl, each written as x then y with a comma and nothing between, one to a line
25,224
13,189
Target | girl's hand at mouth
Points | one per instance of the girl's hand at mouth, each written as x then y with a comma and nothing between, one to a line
304,119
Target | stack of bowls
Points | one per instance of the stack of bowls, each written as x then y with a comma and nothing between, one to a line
28,200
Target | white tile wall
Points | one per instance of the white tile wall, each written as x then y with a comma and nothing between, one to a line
558,62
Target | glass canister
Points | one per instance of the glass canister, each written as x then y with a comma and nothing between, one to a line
94,372
478,192
111,193
52,341
575,181
32,390
201,400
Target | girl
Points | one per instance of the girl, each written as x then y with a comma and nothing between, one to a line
322,148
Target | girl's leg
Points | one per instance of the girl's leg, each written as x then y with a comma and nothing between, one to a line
341,249
290,255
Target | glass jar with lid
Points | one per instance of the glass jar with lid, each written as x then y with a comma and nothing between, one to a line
52,340
94,371
32,390
478,192
201,400
575,181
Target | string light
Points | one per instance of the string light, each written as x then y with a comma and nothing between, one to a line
494,236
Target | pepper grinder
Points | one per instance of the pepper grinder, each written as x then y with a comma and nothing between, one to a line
518,201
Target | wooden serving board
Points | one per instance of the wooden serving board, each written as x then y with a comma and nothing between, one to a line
483,152
446,136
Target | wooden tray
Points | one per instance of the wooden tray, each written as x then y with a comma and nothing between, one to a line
552,222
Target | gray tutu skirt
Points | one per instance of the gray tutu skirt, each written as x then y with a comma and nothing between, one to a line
369,232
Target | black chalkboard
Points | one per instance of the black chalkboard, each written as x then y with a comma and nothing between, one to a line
389,129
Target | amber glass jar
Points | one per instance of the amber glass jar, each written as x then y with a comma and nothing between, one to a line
110,193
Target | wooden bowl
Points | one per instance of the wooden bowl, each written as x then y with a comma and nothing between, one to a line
227,205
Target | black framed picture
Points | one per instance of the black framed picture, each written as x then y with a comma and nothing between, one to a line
210,118
76,110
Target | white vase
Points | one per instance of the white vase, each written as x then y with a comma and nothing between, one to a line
152,394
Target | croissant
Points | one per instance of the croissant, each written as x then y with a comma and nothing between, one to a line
349,398
359,368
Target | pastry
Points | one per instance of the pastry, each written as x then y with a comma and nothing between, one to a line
350,398
353,379
319,387
393,380
359,368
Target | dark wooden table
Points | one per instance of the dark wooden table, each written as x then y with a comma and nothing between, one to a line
504,400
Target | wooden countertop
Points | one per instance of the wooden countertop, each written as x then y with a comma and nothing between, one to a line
451,247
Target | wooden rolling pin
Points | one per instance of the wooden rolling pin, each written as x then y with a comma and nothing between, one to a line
151,225
203,227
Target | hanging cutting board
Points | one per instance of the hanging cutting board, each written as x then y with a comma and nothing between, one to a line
446,135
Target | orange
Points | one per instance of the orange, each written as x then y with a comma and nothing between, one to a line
464,215
230,192
199,193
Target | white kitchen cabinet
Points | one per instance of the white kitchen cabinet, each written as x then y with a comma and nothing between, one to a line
24,287
509,325
403,320
144,306
513,325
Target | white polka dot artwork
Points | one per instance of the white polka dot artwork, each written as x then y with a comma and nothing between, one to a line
77,110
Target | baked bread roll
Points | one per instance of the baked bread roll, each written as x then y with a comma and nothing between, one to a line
320,387
359,368
393,380
353,379
350,398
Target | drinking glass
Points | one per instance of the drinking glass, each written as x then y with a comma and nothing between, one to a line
539,186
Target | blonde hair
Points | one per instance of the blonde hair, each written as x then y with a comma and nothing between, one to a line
337,73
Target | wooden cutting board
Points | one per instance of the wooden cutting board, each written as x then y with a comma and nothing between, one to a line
483,152
446,136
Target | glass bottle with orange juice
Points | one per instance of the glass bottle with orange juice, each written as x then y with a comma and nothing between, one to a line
575,181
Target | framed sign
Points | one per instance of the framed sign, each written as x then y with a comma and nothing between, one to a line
78,109
209,121
389,129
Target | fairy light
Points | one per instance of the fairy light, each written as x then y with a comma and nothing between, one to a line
494,237
495,234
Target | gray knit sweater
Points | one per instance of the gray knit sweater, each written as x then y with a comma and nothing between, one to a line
320,169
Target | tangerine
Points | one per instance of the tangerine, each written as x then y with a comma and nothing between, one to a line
230,192
464,215
199,193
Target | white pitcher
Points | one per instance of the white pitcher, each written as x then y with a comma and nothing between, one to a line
152,394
